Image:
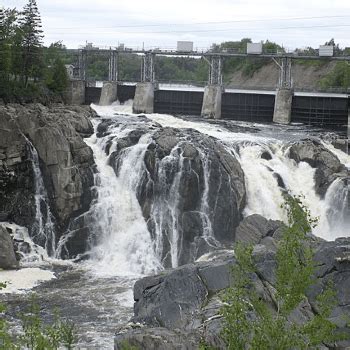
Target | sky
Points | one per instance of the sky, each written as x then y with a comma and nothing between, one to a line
161,23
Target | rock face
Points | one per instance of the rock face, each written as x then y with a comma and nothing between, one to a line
254,228
191,191
65,162
182,305
7,252
327,165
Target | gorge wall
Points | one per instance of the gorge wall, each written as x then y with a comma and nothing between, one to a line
46,170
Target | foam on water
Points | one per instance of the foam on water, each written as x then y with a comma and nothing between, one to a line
20,281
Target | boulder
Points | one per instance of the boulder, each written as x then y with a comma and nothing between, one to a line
156,338
7,252
172,300
254,228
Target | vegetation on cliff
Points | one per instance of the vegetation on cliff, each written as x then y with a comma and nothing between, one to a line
251,322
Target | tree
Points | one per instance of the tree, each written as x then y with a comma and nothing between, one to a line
30,26
58,81
250,323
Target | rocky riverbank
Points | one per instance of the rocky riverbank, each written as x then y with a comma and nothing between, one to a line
180,308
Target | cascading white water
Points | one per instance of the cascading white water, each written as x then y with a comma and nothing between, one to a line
43,229
124,246
205,209
264,196
165,213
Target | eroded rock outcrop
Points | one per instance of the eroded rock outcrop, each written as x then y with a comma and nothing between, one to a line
65,161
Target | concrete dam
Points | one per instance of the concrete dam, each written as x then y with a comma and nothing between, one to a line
283,105
320,109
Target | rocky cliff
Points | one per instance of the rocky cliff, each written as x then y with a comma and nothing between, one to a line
46,168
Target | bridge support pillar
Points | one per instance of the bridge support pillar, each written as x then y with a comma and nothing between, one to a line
349,119
144,98
108,93
283,106
211,107
75,93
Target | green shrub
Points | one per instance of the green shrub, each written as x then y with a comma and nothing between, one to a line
36,335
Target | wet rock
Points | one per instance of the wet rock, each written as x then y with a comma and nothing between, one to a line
328,167
266,155
7,252
201,173
172,300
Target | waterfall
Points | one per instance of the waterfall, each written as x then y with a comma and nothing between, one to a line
43,230
267,179
165,209
122,244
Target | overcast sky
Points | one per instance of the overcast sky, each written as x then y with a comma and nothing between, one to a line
156,23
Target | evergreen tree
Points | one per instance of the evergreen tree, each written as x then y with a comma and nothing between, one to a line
30,25
7,23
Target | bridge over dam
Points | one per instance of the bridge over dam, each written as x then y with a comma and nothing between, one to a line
282,105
